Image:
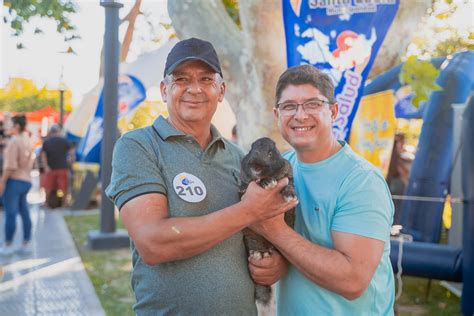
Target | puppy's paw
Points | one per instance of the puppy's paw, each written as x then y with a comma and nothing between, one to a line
257,255
290,198
268,183
289,194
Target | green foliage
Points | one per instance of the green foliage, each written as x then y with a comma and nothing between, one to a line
21,95
441,33
454,44
232,8
421,76
27,104
19,13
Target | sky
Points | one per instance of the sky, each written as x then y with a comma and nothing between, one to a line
43,60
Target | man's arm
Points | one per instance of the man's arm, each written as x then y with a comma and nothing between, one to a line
360,225
160,238
44,159
347,269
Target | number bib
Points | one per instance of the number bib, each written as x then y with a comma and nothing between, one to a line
189,187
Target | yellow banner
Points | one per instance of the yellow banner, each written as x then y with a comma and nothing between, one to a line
373,129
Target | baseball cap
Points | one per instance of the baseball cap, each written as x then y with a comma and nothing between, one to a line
192,49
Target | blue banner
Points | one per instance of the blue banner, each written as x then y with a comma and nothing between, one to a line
131,93
342,38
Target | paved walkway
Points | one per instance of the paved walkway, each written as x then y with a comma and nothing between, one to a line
49,281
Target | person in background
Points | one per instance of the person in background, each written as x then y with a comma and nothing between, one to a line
15,184
234,138
398,173
54,156
2,143
2,146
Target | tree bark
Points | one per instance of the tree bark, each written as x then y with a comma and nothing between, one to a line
264,40
399,35
239,56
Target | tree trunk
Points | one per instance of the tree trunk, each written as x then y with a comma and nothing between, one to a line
254,57
244,56
264,38
399,35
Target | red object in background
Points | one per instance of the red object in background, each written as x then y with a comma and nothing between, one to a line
38,116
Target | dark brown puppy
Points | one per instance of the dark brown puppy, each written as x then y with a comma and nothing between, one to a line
265,165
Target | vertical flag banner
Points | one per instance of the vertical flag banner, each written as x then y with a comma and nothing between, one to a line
342,39
374,129
131,93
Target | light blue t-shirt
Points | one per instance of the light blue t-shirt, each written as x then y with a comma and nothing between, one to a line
343,193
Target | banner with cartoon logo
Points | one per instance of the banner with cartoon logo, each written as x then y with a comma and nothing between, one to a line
342,39
131,93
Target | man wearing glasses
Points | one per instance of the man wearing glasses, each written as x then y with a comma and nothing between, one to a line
339,250
176,184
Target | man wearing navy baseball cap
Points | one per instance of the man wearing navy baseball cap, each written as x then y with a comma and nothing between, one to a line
176,184
192,49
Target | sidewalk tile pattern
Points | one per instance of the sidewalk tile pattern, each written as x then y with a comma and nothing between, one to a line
49,281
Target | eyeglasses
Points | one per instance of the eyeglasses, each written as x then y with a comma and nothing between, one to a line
311,106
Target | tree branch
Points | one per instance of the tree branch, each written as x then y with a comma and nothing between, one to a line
127,40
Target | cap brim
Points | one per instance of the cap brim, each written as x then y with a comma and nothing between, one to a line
179,62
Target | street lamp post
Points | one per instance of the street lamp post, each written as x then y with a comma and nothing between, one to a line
108,237
62,88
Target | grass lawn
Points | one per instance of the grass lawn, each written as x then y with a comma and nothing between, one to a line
413,301
110,275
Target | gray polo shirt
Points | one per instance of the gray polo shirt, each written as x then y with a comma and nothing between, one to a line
162,159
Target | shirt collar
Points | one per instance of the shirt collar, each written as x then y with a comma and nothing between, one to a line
166,130
216,137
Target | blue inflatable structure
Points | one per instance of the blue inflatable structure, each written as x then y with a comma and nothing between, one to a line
431,170
430,177
467,157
